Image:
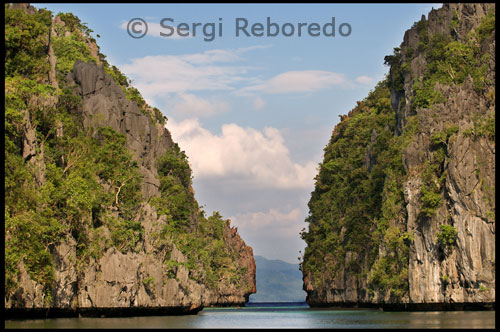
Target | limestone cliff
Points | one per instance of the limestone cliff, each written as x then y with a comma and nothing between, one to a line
419,156
112,208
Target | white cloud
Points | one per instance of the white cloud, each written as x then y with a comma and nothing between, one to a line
163,74
364,80
246,155
290,223
218,55
160,75
298,81
212,56
258,103
274,234
192,105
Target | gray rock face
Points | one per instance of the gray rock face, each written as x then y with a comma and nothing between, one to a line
136,279
105,104
463,273
466,273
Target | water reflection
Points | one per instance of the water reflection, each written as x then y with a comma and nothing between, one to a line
278,317
452,319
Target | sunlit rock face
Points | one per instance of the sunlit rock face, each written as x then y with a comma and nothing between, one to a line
135,280
447,184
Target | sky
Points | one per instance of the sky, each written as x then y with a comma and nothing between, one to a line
253,112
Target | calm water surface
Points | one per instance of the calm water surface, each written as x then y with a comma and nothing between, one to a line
278,316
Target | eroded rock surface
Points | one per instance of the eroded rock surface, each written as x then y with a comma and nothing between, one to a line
120,279
462,273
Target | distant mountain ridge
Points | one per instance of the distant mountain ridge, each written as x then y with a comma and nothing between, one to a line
277,281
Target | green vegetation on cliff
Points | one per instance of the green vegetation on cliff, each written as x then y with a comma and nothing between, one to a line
357,234
58,190
357,194
204,245
67,182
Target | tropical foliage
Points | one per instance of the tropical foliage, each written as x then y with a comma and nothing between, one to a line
64,180
356,211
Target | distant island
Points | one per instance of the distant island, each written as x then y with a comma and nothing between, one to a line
277,281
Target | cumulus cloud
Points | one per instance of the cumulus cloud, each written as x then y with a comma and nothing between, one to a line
290,223
159,76
218,55
364,80
162,74
298,81
258,103
187,105
259,158
273,233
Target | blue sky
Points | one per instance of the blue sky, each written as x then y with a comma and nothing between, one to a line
252,113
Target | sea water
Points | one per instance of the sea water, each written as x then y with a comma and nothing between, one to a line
278,315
